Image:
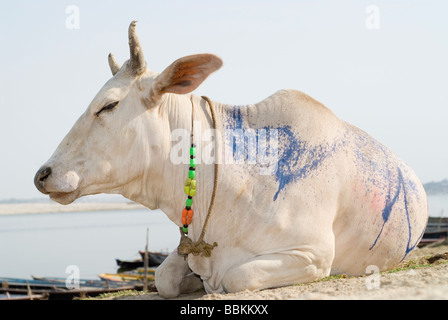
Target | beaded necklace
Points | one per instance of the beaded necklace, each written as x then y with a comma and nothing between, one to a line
186,245
190,190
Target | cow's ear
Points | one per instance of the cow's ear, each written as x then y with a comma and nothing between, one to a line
186,74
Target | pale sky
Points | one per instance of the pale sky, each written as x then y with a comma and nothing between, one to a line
388,76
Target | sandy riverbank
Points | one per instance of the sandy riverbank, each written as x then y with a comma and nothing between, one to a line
429,280
29,208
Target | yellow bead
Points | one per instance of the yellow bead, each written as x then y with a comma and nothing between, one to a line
192,192
187,182
187,190
193,183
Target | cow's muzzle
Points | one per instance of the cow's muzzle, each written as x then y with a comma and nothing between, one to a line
40,177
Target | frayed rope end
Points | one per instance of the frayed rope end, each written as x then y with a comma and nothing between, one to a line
187,246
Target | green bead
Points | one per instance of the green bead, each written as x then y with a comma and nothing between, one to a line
185,230
192,192
191,174
192,183
192,151
192,162
189,202
187,190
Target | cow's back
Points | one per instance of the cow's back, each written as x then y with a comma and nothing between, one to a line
331,181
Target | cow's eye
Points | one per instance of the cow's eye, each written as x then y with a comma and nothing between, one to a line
107,107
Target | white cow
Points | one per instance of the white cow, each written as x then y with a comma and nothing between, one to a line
335,200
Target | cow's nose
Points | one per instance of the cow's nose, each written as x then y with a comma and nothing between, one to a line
40,177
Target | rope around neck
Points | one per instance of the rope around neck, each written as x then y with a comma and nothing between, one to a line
186,245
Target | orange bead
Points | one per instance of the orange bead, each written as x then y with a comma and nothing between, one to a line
189,216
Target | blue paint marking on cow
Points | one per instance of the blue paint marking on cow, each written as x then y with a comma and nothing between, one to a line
390,203
235,119
388,173
290,151
234,122
409,246
372,169
297,159
388,206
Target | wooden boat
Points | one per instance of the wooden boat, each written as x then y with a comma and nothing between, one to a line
442,234
129,265
431,237
56,289
125,277
16,296
154,260
436,230
81,282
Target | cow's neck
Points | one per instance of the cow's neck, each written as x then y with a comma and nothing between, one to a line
166,187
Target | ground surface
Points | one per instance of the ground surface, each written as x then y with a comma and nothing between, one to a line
424,276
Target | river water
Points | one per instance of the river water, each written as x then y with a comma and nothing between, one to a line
46,244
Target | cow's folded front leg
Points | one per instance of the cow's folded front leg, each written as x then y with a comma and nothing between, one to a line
169,275
276,270
174,277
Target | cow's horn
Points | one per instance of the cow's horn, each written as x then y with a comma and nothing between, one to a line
138,63
113,64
